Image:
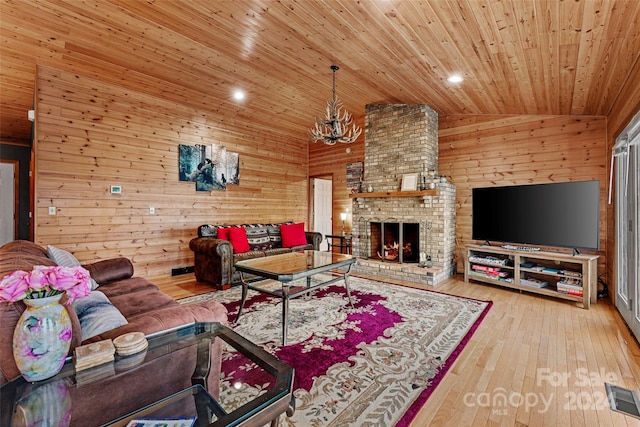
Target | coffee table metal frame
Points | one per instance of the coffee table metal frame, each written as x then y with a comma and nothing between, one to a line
289,267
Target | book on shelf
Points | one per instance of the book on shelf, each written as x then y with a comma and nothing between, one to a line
493,271
572,273
499,273
502,275
527,265
569,286
488,260
485,268
565,288
533,282
571,282
569,292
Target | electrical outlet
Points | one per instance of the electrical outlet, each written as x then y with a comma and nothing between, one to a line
52,210
152,211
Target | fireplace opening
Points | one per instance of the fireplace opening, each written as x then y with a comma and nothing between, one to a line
395,241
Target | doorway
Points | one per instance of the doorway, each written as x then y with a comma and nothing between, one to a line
322,212
8,200
627,258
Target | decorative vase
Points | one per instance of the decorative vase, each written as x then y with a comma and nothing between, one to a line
42,338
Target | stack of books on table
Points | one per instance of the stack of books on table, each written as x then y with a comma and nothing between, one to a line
533,282
570,286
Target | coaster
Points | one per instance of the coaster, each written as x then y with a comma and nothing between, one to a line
131,343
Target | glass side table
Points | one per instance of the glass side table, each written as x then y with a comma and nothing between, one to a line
168,380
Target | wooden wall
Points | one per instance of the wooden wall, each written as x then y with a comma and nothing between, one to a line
484,151
91,134
330,162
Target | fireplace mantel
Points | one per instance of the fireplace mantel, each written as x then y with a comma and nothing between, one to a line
382,194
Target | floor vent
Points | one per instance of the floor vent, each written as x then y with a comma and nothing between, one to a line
623,400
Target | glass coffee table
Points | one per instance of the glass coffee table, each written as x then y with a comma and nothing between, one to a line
166,381
279,276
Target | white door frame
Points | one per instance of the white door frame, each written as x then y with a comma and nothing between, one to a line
627,210
9,191
322,209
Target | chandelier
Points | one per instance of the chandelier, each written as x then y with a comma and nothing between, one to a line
337,125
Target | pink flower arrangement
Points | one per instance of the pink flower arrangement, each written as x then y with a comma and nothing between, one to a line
45,281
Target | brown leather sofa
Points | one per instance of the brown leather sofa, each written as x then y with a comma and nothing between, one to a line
145,307
214,258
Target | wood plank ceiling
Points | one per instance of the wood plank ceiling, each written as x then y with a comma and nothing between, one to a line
517,56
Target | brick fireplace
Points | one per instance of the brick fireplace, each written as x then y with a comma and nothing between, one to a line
403,139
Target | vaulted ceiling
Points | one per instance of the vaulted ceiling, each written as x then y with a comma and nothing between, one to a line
516,56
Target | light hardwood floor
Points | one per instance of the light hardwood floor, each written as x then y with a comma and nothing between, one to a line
534,361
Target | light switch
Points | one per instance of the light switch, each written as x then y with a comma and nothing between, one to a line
152,211
52,210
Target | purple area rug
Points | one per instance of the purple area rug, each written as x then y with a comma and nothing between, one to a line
374,364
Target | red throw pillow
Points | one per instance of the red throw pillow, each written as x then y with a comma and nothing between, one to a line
293,235
223,233
238,239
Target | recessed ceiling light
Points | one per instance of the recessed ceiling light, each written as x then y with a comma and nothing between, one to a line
455,78
239,95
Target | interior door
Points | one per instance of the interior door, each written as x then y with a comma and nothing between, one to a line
8,194
323,208
627,166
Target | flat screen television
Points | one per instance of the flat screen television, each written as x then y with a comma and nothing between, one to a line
565,214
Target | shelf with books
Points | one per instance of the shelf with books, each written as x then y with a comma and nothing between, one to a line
565,276
492,272
508,279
